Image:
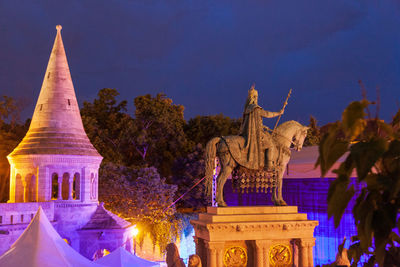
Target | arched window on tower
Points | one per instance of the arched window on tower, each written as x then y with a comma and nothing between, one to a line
31,187
65,186
76,186
54,186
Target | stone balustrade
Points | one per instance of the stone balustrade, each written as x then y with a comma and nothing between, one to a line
20,213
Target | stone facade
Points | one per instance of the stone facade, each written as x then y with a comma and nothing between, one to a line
55,166
261,236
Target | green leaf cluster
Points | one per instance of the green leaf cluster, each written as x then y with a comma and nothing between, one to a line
143,198
313,134
11,133
369,149
201,129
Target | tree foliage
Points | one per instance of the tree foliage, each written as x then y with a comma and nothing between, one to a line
9,110
187,174
108,125
11,133
313,134
153,137
372,150
141,197
201,129
160,136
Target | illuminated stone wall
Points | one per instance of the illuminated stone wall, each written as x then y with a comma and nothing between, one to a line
310,195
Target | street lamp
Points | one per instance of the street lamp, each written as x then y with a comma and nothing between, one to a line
134,233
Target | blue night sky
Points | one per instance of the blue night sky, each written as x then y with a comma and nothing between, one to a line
206,54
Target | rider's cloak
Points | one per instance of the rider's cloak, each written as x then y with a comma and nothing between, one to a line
249,151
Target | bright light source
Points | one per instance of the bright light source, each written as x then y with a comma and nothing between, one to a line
134,231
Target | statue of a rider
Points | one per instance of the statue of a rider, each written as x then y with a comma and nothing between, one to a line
257,138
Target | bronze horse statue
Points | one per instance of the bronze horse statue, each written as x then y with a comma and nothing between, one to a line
284,136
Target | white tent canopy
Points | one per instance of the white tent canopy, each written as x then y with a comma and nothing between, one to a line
41,246
122,258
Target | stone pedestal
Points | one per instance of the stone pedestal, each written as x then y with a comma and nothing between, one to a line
261,236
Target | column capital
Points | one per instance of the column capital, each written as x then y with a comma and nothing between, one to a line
215,253
261,244
214,246
307,242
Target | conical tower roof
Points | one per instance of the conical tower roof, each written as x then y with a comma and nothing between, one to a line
56,126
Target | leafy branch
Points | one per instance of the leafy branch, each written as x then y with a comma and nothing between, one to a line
371,149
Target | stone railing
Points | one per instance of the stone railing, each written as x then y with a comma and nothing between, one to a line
20,213
72,204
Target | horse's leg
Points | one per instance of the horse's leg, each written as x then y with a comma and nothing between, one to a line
274,194
278,199
227,166
278,189
274,197
272,155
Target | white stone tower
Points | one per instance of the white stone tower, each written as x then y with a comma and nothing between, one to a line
55,160
56,167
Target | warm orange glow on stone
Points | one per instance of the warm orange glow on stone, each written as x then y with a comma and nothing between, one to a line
134,231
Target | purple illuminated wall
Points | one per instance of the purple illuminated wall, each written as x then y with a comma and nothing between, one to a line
310,195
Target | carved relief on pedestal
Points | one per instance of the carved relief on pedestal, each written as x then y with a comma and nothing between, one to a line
235,256
280,255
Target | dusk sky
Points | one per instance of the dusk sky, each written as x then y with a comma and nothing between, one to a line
206,54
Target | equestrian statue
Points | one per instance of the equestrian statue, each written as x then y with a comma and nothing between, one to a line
255,158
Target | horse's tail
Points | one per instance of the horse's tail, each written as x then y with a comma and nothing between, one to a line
211,151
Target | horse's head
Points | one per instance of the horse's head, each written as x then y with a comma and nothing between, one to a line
299,136
292,132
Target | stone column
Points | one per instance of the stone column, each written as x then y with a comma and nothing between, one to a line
215,254
220,254
96,185
60,180
310,244
211,257
86,185
303,255
70,187
295,246
262,256
25,186
305,251
12,184
44,184
84,176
